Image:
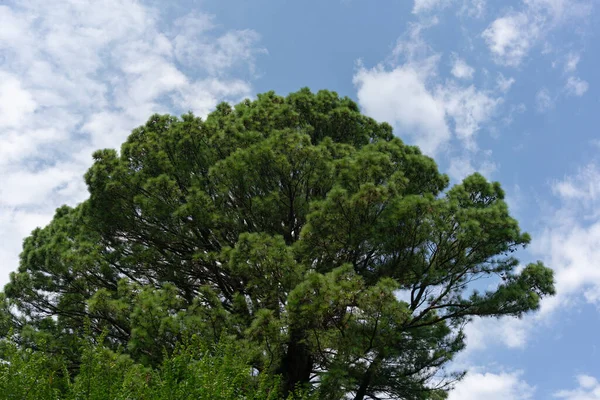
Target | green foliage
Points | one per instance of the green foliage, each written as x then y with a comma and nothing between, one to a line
28,374
193,371
290,225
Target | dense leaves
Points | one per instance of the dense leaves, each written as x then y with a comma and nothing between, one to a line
193,371
292,225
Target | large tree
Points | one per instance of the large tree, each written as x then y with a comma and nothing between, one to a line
293,224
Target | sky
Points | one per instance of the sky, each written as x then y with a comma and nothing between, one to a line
506,88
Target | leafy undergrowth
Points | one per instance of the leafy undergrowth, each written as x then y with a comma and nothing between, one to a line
193,371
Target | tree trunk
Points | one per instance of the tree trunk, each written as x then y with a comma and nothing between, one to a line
297,363
367,378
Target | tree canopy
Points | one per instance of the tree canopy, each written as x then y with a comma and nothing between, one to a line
338,255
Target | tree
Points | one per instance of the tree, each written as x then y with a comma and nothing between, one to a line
294,225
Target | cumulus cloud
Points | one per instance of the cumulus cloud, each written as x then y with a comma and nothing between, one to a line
401,98
76,77
410,96
510,37
460,68
576,86
491,386
588,389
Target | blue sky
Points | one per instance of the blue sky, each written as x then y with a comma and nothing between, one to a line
507,88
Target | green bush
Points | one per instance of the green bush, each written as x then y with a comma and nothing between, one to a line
194,370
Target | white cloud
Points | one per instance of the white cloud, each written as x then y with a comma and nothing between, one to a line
15,102
460,69
504,84
508,331
422,6
513,110
511,36
589,389
215,55
559,11
543,100
583,188
212,91
28,187
580,192
464,165
401,98
576,86
515,199
468,108
571,62
473,8
410,97
15,224
76,77
412,47
571,243
414,99
587,381
460,168
490,386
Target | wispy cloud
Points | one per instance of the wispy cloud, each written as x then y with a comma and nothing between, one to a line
503,83
422,6
511,36
543,100
471,8
463,165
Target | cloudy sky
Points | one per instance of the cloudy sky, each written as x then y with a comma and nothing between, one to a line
507,88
